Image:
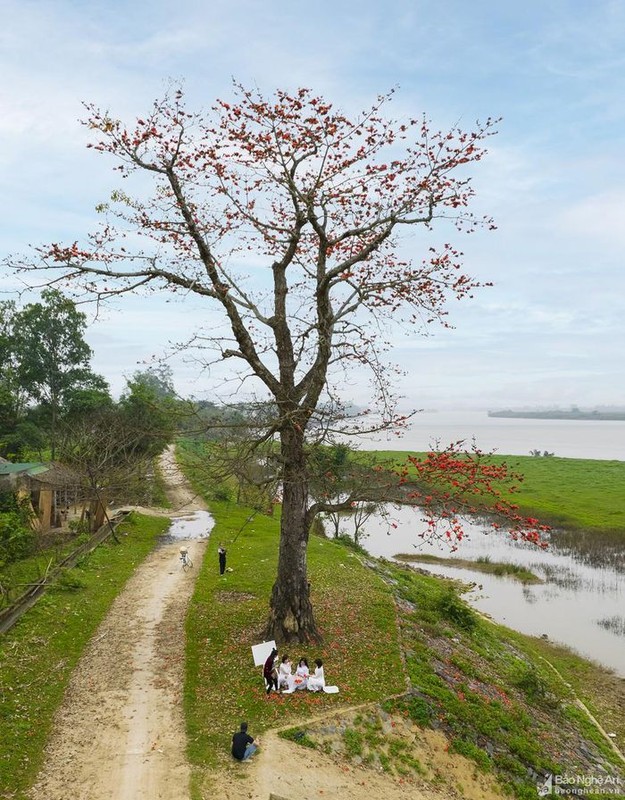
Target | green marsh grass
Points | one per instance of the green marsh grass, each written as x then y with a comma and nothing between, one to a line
481,564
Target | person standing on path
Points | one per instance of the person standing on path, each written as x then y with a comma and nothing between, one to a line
243,744
222,558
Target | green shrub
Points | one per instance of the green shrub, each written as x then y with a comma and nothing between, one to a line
454,610
298,736
347,540
17,540
385,762
472,751
527,678
70,581
419,711
79,527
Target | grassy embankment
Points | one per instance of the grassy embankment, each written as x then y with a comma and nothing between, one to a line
487,689
39,653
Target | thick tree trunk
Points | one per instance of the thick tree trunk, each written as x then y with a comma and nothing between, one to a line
291,614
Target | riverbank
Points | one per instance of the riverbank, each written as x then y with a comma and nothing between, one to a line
480,691
579,600
464,677
597,416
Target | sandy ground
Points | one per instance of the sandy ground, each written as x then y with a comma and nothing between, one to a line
120,732
282,770
290,771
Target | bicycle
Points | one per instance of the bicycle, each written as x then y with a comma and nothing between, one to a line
185,559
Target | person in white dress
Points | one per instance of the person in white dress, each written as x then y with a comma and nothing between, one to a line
301,674
317,681
285,676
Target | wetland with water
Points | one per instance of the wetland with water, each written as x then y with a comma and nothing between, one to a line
580,601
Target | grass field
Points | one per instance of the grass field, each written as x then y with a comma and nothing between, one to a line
356,616
571,492
562,492
484,686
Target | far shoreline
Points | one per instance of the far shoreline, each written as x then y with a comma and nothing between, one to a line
599,416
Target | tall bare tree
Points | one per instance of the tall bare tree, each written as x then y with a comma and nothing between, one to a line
285,214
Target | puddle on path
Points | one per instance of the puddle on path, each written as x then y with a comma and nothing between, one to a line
194,525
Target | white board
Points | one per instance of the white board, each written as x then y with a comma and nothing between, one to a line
261,652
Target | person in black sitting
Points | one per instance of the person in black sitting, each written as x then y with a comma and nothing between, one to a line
243,744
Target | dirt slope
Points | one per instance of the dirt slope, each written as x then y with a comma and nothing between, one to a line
286,771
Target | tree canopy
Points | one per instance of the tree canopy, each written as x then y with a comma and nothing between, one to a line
287,216
45,369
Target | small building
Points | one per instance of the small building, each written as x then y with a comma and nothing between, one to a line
55,493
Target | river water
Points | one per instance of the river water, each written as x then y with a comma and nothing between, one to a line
598,439
581,602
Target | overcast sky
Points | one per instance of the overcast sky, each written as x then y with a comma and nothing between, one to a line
552,329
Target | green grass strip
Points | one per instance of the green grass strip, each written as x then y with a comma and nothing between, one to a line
38,654
502,569
571,492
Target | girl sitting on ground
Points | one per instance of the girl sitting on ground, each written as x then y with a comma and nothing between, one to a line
284,673
317,681
301,674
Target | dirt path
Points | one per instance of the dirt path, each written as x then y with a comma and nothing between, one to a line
120,732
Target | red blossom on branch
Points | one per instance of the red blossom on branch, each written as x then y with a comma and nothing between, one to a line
452,484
